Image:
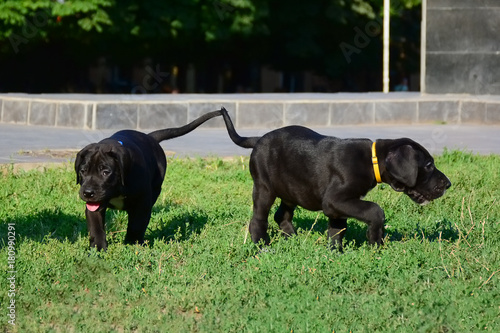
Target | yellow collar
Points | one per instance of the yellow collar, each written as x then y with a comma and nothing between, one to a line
375,164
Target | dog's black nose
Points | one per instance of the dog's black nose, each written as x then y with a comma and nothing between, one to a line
448,184
88,194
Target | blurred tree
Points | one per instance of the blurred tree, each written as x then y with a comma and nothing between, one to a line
31,20
126,20
213,35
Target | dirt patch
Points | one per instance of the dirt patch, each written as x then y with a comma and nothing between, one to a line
64,153
50,153
15,168
63,158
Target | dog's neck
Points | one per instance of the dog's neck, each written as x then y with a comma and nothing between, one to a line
376,169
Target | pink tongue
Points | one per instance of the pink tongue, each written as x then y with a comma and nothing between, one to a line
93,206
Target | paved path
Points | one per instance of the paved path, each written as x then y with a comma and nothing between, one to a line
49,144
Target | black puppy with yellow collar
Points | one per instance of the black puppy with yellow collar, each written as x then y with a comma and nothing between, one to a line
125,172
322,173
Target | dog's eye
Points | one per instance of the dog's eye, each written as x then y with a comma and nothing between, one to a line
429,165
104,170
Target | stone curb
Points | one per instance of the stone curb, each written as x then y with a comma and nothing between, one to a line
143,112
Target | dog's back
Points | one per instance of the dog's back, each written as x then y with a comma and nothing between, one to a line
299,164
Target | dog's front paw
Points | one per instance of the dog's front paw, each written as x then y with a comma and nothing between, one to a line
375,236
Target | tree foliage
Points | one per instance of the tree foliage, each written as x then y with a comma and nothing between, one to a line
291,35
47,14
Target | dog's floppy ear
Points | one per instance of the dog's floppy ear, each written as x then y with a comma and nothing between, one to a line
80,159
122,158
402,164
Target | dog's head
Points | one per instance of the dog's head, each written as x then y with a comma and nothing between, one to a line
100,170
412,171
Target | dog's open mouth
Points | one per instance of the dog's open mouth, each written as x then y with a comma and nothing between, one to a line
422,199
93,206
417,197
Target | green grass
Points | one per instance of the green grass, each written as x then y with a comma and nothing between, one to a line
437,272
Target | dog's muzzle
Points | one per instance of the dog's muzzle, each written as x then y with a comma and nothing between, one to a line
424,197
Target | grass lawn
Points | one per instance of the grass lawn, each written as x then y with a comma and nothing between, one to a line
199,272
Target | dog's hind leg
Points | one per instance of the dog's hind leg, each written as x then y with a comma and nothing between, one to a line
283,217
262,202
138,221
336,231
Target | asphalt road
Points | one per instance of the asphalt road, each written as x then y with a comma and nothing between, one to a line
34,144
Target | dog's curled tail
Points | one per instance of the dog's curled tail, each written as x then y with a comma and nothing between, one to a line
244,142
170,133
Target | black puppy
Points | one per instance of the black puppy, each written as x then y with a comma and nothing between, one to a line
125,172
318,172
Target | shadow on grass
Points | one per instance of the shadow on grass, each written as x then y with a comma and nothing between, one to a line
181,226
356,230
54,224
444,230
47,223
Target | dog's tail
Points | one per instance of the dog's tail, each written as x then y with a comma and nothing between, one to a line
170,133
245,142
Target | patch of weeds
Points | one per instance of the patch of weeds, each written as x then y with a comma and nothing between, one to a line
199,271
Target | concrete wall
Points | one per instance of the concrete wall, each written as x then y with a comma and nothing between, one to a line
462,52
247,110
